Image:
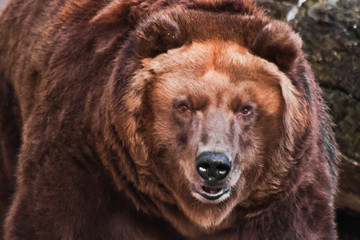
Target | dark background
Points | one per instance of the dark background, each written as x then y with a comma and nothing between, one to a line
331,33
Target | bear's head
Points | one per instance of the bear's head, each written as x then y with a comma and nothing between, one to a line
205,113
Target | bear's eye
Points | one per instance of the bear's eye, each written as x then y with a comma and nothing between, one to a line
183,107
246,110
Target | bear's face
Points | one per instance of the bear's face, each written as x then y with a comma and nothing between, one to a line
213,114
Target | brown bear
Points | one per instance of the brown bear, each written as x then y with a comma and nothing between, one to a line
160,119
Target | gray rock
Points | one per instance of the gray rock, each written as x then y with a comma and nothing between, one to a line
331,33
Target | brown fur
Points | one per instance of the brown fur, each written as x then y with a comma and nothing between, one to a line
106,104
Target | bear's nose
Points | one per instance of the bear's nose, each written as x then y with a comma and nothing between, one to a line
212,166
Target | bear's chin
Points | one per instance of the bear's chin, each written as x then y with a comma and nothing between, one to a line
208,215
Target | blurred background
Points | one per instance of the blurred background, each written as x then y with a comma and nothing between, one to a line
331,33
3,3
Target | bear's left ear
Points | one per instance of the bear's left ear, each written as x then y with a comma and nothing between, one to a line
157,35
278,43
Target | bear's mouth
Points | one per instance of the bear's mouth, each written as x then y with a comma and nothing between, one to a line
211,193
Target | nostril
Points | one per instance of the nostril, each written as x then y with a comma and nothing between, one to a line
213,166
203,167
223,170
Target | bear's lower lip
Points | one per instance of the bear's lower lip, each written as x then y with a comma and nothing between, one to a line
211,193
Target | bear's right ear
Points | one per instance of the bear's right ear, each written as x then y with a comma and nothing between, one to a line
157,35
278,43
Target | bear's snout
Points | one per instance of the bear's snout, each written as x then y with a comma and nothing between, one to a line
212,166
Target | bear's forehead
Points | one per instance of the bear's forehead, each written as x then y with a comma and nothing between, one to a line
201,59
216,70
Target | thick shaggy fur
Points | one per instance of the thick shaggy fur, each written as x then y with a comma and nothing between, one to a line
106,104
